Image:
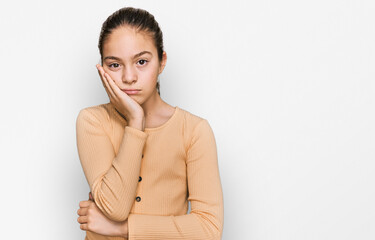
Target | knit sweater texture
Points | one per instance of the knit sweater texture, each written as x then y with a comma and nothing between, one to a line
149,176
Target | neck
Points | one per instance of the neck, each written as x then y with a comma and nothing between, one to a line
153,104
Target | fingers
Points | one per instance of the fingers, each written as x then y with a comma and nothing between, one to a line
82,211
116,90
82,219
105,82
84,227
84,204
102,78
83,223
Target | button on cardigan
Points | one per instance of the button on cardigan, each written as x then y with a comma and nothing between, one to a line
177,161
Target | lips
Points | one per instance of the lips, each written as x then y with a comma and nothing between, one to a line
131,91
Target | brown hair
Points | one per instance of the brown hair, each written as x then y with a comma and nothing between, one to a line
137,18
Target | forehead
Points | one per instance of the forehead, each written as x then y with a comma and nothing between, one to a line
127,41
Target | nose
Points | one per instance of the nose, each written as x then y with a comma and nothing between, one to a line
129,75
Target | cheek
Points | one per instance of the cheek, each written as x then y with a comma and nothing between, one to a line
151,74
150,77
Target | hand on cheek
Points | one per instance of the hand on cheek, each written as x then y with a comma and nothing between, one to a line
122,102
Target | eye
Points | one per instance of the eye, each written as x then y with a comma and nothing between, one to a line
142,62
114,65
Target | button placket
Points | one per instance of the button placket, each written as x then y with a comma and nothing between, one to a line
138,198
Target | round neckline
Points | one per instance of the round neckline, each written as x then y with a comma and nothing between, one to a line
164,124
177,109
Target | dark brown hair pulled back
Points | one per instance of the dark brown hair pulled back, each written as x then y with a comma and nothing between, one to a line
137,18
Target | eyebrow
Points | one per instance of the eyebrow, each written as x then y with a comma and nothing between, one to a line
135,56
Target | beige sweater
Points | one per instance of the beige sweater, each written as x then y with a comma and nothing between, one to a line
149,176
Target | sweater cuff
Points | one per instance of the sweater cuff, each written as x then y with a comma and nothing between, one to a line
138,227
136,132
142,226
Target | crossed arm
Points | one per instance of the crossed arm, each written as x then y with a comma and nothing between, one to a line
112,178
92,219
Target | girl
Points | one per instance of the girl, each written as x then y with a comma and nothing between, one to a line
144,160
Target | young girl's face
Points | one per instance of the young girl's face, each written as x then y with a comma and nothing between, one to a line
131,59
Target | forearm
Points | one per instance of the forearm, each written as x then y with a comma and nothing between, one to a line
114,192
185,227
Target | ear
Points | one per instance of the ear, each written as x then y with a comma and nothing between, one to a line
163,62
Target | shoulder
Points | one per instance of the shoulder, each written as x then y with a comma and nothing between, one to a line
198,134
190,120
194,124
98,113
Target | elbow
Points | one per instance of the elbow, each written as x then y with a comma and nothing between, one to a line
213,222
112,208
118,216
218,230
119,213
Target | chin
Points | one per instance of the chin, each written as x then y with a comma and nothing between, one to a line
139,100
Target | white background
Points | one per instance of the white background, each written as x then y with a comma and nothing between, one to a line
287,86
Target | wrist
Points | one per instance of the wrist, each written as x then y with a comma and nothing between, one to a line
137,123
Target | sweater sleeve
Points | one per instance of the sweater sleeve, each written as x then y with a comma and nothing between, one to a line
205,220
112,179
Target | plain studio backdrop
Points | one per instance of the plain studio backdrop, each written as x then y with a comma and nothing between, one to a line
287,86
